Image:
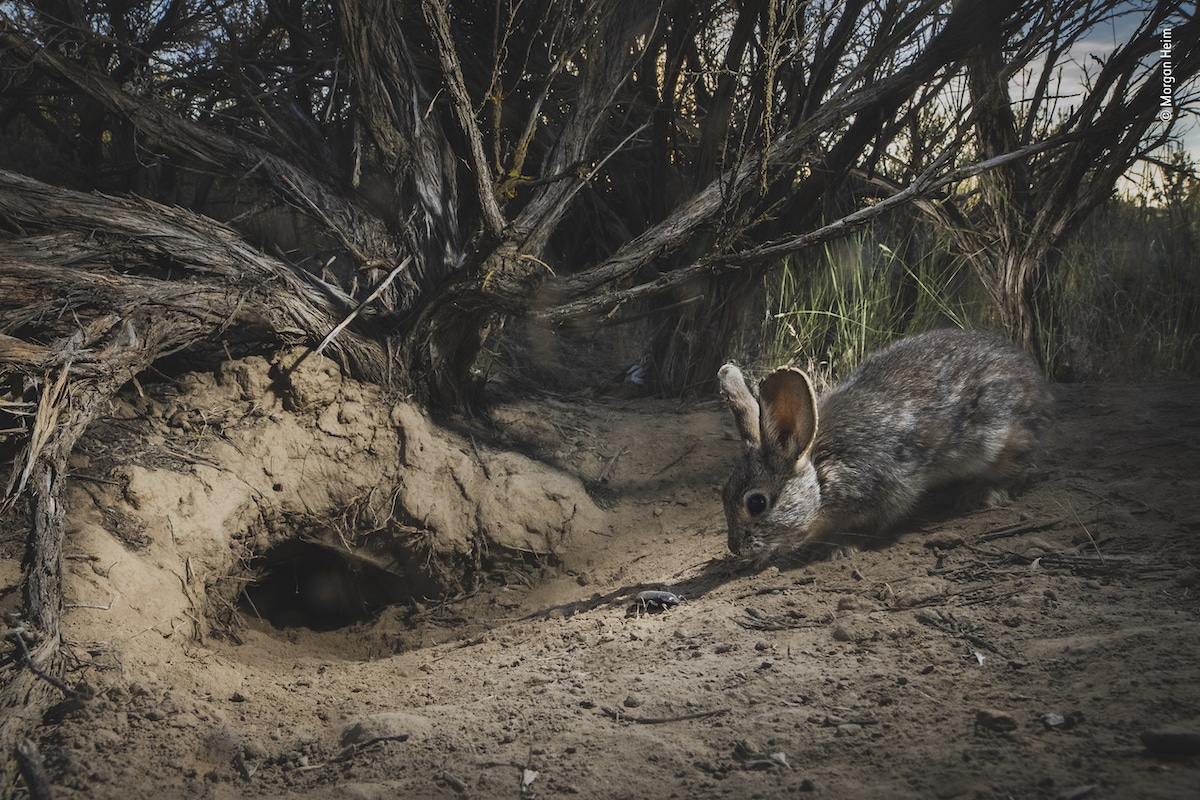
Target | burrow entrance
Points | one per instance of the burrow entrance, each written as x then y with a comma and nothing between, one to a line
305,584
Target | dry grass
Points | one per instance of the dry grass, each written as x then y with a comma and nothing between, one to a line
1123,303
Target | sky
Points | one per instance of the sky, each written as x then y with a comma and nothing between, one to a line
1104,39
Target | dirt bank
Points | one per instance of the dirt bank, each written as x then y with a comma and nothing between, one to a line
1018,652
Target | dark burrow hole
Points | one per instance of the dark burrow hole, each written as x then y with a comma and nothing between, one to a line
306,585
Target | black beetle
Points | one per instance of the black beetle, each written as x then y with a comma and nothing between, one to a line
654,601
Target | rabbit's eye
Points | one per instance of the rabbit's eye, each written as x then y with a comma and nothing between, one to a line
756,503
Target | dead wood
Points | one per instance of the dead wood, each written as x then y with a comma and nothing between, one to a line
34,771
145,250
364,236
83,312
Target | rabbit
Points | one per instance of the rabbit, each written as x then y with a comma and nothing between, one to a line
828,475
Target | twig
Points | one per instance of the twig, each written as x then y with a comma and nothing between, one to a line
33,770
1080,559
922,185
611,465
622,717
108,607
456,783
600,164
17,635
1018,528
679,458
1088,533
341,326
487,473
352,750
45,421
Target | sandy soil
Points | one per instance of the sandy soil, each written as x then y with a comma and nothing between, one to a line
1050,649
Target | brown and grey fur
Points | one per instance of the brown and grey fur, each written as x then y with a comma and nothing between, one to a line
945,407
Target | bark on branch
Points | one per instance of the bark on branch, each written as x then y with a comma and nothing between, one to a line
140,234
364,236
438,20
921,187
117,284
784,155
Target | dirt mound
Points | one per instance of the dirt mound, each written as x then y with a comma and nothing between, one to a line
328,500
1048,649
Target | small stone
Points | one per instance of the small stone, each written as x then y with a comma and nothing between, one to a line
185,720
1180,740
746,749
1188,579
106,740
254,751
844,632
632,701
399,725
1077,793
944,540
993,720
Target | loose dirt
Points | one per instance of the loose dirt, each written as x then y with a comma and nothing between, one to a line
1050,649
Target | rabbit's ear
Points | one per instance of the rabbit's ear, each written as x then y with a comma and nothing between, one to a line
789,417
741,402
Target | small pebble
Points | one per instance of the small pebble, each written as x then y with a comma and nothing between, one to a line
993,720
1174,740
844,632
1188,578
1078,793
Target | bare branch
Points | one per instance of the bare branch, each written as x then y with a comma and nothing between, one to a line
923,186
246,284
452,76
363,236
